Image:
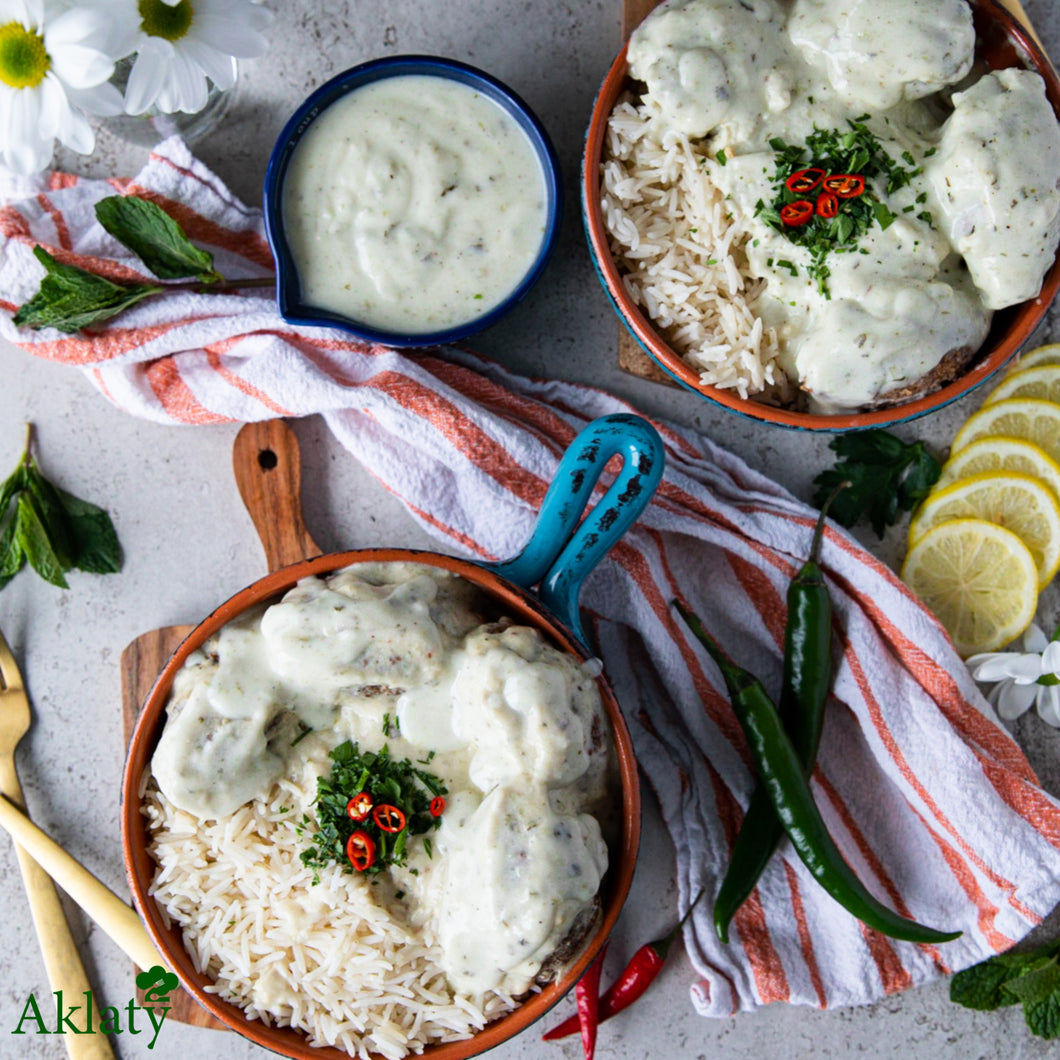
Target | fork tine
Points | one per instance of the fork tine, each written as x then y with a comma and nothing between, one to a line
10,675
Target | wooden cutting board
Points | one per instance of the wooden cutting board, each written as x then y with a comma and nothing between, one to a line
268,473
631,358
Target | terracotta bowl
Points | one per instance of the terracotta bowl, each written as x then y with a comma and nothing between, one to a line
556,534
1001,43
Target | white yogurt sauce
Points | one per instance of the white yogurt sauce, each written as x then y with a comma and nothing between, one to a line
744,72
413,204
519,733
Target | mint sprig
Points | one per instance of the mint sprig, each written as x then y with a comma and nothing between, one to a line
1031,979
155,238
72,299
52,530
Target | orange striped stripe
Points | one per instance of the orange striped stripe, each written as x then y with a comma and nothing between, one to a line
240,384
12,224
717,706
62,232
914,782
1027,800
176,398
943,689
246,244
763,595
893,974
98,376
104,345
487,454
57,180
870,856
805,938
766,965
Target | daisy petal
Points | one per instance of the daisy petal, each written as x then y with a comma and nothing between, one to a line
80,67
1048,704
185,88
1026,669
148,75
1012,700
76,133
1051,658
26,148
229,36
83,26
218,67
104,100
995,666
53,106
1034,639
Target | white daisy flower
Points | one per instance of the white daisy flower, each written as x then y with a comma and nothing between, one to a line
180,43
54,67
1024,678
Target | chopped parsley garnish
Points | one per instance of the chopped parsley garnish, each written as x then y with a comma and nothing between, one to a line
854,151
394,783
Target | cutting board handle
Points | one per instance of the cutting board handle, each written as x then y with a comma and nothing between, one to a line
268,471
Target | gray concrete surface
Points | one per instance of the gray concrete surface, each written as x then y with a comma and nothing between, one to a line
188,543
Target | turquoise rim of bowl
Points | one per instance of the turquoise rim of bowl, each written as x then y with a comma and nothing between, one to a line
288,299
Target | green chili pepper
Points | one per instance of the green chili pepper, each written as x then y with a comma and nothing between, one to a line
781,774
807,680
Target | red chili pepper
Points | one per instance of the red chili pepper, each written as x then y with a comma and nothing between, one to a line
845,185
360,849
359,807
587,995
827,205
437,806
389,818
803,180
637,976
796,213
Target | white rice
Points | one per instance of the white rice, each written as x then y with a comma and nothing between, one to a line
323,958
679,246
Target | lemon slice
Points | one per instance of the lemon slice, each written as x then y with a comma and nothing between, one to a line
1039,381
1042,355
979,580
1001,454
1030,419
1017,502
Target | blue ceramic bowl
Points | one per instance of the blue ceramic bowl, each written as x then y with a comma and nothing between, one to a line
288,295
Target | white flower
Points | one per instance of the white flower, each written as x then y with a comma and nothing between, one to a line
53,68
1023,678
180,43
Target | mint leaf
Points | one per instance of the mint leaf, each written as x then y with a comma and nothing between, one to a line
33,538
1039,990
1043,1017
12,557
50,511
94,539
982,987
72,299
150,233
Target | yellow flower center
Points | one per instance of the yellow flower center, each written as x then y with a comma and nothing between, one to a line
158,19
23,60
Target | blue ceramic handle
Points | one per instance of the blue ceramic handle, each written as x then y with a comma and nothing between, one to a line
561,554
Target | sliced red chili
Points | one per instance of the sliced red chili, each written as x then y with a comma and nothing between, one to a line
437,806
359,807
389,818
845,185
803,180
827,205
796,213
360,849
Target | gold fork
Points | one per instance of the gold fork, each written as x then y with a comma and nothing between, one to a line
61,959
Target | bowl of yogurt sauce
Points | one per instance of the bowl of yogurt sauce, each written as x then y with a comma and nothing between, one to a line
410,201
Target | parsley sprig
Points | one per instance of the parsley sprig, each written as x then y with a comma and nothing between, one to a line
1031,979
856,150
399,783
52,530
886,475
71,298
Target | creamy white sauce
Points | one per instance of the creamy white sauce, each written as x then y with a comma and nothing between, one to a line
519,734
742,74
413,204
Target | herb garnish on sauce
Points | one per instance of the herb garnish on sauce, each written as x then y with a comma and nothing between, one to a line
854,152
397,785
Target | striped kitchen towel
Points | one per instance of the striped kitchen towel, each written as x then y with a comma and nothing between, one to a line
927,795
